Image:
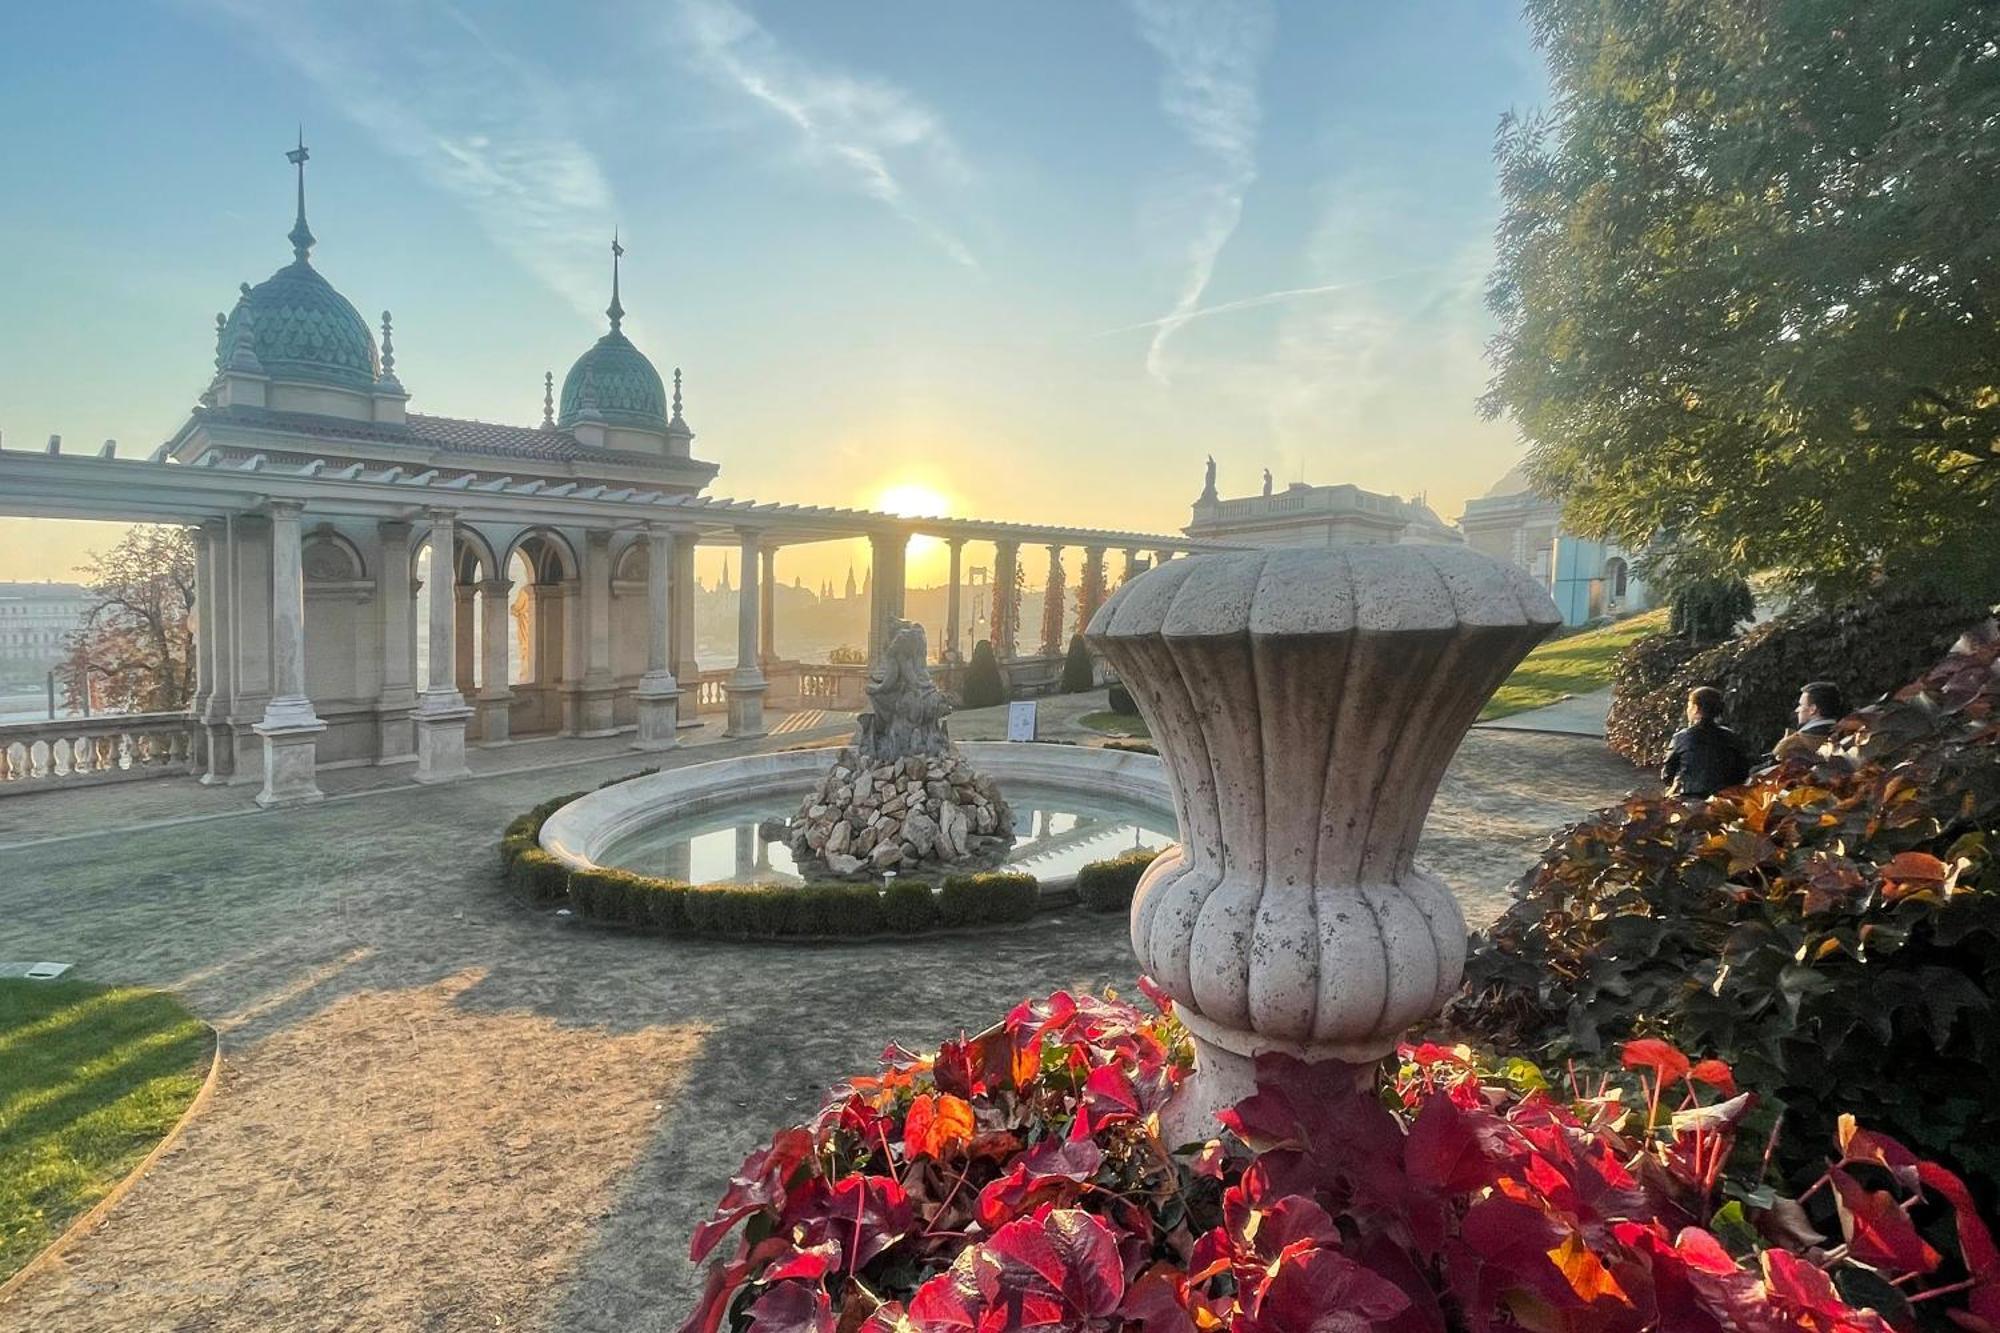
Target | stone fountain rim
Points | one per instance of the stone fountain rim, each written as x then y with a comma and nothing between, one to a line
582,831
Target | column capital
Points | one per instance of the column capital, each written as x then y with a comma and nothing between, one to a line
496,587
440,514
285,508
956,542
748,537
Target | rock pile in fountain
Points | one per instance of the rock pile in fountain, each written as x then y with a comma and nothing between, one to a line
902,795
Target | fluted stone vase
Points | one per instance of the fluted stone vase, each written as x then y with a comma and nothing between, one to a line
1306,703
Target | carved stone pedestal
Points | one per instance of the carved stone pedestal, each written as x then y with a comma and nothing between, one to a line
746,705
659,714
290,756
1306,703
441,742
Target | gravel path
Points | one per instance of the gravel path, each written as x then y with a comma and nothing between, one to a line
443,1110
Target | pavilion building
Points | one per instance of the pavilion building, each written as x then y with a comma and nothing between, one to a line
380,586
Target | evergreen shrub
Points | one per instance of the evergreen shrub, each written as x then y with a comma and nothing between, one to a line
908,906
1106,886
1078,673
983,687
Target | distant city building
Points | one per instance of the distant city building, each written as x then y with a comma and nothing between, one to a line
35,619
1302,515
1588,579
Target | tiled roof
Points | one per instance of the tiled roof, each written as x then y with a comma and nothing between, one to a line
453,435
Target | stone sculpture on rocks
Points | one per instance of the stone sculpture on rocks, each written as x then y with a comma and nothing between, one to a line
902,795
1306,703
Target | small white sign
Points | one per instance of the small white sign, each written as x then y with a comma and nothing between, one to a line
1021,717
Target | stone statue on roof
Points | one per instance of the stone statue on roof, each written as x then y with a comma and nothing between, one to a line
1208,481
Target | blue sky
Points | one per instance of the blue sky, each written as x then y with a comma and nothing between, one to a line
1039,258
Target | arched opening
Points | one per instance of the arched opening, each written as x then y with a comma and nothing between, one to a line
1615,577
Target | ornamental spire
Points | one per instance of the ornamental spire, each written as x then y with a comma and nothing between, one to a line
301,235
677,393
615,310
388,349
548,400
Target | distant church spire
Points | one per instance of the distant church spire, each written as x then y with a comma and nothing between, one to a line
615,309
301,235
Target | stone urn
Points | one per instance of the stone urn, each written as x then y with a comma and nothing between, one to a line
1306,703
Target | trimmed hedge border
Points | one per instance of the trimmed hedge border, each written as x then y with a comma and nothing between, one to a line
757,911
1106,886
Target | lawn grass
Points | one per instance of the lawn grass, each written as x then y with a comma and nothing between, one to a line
1573,664
1117,724
91,1078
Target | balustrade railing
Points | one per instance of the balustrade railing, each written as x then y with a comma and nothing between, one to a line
834,685
711,693
85,751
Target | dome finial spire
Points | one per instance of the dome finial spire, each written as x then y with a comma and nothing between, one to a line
301,235
548,400
615,310
677,393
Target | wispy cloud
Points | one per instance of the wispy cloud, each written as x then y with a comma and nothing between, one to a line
422,81
1181,318
1211,53
874,136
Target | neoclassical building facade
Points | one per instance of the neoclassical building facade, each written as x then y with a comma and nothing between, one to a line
358,562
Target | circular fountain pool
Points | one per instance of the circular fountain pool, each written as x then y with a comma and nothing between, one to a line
1058,832
723,821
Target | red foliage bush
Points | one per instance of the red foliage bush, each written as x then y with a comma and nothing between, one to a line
1017,1180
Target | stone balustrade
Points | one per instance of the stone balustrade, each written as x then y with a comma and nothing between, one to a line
79,752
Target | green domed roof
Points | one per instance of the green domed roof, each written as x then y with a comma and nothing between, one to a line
302,329
625,388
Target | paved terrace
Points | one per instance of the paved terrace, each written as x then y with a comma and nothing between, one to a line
443,1109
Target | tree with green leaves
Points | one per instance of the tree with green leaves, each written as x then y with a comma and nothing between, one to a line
1746,285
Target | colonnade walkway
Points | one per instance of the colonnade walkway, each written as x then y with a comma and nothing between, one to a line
443,1108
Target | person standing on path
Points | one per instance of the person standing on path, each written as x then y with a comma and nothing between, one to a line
1704,756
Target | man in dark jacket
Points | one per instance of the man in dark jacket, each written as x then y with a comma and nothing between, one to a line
1705,756
1821,706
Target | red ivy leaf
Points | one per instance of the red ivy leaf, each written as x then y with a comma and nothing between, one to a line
1323,1291
1662,1057
936,1125
759,1183
1865,1145
1879,1233
1716,1075
792,1307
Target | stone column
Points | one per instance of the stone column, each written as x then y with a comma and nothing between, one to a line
746,853
1053,642
767,624
465,652
393,595
200,621
1306,703
496,629
886,592
659,694
1131,570
595,702
441,710
290,728
952,597
1006,599
571,592
213,601
249,644
1161,557
680,593
747,685
1090,593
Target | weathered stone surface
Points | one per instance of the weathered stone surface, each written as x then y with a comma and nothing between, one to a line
885,856
1306,702
903,785
842,864
921,831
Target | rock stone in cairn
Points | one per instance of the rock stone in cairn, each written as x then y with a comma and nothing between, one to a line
902,793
